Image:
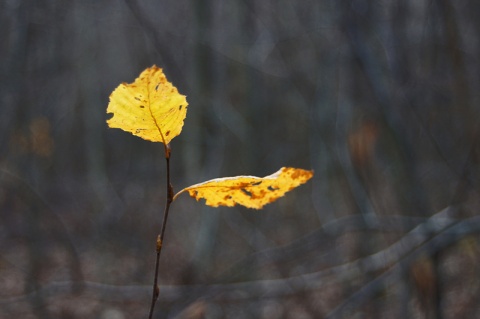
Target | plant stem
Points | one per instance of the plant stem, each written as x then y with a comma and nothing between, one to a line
156,289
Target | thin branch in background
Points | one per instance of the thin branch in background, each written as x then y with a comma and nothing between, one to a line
438,243
448,234
297,284
330,231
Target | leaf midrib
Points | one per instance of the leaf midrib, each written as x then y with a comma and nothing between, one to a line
151,113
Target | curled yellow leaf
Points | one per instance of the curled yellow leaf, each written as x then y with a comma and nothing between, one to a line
249,191
150,107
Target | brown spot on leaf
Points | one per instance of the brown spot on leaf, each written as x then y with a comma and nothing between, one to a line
259,195
246,192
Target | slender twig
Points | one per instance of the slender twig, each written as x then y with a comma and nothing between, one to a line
156,289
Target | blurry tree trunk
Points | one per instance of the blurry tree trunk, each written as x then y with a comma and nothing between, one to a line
253,103
193,149
90,101
468,177
355,24
360,21
205,151
12,69
399,65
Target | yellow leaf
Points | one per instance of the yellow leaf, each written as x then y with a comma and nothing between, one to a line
150,107
249,191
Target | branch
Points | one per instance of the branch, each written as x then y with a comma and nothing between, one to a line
439,242
264,288
330,230
416,240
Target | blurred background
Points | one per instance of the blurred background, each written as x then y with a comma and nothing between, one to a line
379,98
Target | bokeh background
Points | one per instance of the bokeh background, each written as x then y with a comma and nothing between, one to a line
379,98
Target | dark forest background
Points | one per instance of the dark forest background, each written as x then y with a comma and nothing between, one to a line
379,98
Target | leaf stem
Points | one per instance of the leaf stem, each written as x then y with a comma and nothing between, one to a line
159,244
